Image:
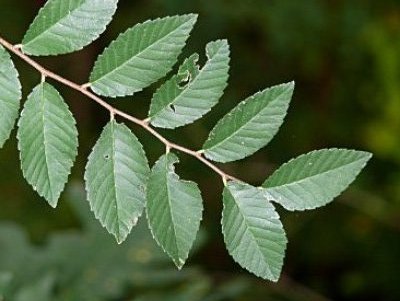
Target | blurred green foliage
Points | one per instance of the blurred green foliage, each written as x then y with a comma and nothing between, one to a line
345,59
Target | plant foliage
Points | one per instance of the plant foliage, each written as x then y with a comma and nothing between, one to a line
47,141
10,95
119,182
174,209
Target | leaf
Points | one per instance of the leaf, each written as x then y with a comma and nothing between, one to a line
191,93
250,125
48,142
174,209
140,56
314,179
253,233
116,176
10,95
64,26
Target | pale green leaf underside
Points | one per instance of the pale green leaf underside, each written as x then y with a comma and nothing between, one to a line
174,209
10,95
115,178
141,56
250,125
191,93
253,233
64,26
47,141
314,179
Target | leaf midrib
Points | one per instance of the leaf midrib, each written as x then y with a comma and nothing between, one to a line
245,124
114,178
170,206
137,54
313,176
248,229
43,100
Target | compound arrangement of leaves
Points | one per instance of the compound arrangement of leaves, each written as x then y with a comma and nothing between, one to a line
119,182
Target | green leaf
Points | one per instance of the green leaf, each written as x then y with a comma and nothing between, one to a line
116,176
48,142
10,95
64,26
250,125
174,209
140,56
191,93
253,233
314,179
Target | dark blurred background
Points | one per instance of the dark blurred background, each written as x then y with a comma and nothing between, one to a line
345,58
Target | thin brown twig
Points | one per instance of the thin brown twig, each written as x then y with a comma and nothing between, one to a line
16,49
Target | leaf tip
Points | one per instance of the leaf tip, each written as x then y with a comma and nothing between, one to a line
179,263
53,203
193,16
290,85
120,238
275,278
368,155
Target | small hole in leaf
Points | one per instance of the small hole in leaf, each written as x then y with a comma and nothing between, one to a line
185,81
173,108
107,157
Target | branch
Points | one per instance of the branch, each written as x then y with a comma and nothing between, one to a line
113,111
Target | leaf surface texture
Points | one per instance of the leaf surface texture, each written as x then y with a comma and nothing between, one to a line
253,233
48,142
116,177
250,125
192,92
10,95
64,26
141,56
314,179
174,209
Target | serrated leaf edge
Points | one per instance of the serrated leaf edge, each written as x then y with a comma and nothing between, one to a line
119,239
367,157
275,279
54,202
49,53
225,41
290,85
19,92
181,262
191,18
